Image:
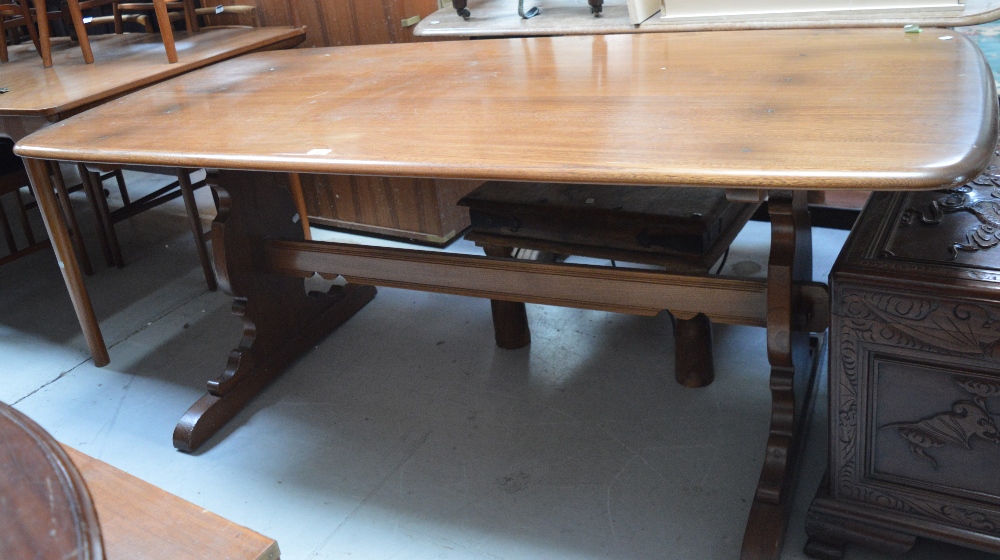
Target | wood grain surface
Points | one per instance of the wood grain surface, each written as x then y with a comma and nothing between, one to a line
498,18
142,522
332,23
819,109
124,63
45,508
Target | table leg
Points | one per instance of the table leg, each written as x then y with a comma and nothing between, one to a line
280,320
510,318
788,352
55,225
72,226
461,9
194,218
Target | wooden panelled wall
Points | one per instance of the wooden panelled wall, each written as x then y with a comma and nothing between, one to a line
334,23
424,209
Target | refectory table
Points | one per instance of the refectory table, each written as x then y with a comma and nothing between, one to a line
759,113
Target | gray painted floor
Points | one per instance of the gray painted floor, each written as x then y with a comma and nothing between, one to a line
406,433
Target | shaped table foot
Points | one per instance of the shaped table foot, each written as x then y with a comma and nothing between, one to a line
280,320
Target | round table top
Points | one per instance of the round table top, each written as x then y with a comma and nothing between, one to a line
45,509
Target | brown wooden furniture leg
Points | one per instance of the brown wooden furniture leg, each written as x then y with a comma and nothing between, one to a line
73,227
4,56
788,352
295,187
280,321
694,364
44,35
80,27
190,17
104,212
167,32
38,171
102,235
510,318
194,218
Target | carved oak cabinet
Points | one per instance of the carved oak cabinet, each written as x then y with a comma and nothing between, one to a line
915,376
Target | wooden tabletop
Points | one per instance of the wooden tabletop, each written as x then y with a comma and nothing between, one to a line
498,18
142,522
123,63
45,508
821,109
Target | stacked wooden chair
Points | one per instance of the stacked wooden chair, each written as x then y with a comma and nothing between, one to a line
13,17
75,10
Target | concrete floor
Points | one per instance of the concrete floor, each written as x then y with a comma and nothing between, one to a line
406,433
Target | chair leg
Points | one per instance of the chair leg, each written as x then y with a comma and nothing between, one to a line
4,56
120,179
29,234
510,318
190,17
295,187
117,15
32,31
8,233
105,214
71,224
187,192
102,228
44,37
81,30
167,32
694,365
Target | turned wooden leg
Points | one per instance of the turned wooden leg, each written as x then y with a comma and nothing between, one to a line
4,56
460,7
280,321
295,187
788,352
44,36
166,32
55,225
72,226
510,318
190,17
32,31
694,365
92,181
81,30
194,219
102,236
116,13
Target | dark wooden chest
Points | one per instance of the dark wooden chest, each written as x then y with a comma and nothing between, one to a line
680,228
915,375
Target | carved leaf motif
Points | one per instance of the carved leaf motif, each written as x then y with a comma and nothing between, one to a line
979,387
923,323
